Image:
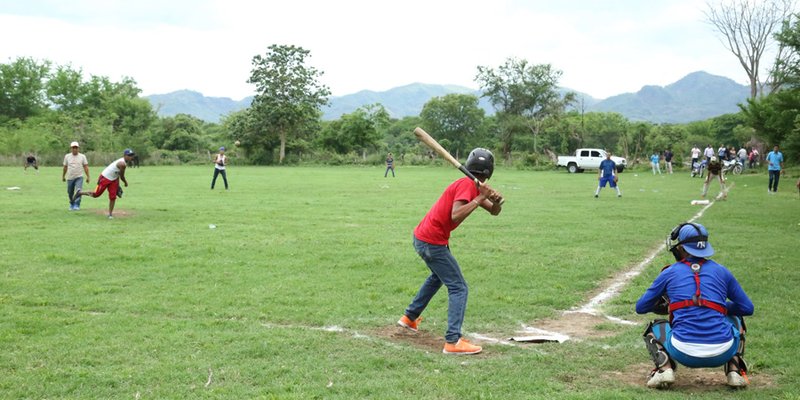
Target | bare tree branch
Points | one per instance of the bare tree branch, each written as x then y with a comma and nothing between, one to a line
747,28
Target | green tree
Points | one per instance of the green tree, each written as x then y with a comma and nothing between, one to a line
523,94
604,130
454,117
360,130
399,136
65,89
288,98
22,88
181,132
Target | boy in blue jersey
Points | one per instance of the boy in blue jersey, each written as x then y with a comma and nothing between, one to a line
607,173
705,305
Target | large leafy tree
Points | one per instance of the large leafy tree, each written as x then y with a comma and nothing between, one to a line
360,130
523,95
181,132
454,117
22,88
65,89
288,95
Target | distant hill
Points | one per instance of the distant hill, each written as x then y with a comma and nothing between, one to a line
208,109
399,102
697,96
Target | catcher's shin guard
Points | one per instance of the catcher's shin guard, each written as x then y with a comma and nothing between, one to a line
738,358
656,350
659,356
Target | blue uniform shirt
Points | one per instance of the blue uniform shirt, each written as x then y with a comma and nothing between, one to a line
607,166
775,160
698,324
654,159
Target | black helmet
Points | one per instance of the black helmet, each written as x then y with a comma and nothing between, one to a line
480,162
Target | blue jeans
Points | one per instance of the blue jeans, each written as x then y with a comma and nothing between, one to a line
774,176
665,338
444,271
74,185
385,174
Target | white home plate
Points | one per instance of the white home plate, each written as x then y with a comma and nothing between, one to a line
536,335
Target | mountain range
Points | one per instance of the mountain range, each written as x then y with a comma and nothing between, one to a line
697,96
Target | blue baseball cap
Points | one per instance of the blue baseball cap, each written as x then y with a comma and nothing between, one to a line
697,248
222,148
128,152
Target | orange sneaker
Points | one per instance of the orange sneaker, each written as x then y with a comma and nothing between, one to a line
461,347
407,323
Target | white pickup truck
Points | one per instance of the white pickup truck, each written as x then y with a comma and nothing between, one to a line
588,159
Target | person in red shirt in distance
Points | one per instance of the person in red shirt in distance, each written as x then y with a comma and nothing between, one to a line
431,239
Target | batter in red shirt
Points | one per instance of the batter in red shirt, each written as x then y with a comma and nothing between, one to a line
431,238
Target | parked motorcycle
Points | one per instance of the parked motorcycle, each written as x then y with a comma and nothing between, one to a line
734,166
699,168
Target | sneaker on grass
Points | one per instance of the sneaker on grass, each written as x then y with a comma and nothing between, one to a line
661,379
461,347
736,380
407,323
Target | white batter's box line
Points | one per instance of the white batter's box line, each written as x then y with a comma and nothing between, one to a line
616,285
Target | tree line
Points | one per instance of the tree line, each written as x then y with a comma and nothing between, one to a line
44,106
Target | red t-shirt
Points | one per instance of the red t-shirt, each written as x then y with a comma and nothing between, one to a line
435,228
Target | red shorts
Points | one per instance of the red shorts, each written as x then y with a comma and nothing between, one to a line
102,184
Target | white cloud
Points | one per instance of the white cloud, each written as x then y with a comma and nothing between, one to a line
603,48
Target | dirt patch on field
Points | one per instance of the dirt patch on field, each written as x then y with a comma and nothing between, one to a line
578,326
425,340
689,380
117,213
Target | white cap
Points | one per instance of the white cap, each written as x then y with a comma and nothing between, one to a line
74,144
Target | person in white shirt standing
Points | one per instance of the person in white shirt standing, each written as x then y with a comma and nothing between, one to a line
695,155
75,165
708,152
220,161
109,179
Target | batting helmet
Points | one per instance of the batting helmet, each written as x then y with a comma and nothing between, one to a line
480,162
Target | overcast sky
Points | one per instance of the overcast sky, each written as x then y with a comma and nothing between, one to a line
603,47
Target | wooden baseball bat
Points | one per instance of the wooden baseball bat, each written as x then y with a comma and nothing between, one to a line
435,146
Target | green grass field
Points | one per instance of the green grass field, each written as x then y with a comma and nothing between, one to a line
296,291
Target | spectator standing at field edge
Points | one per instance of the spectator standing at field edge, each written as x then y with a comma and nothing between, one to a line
668,160
431,239
607,173
75,165
655,163
706,307
708,152
389,165
742,154
109,179
753,157
695,156
775,160
220,161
